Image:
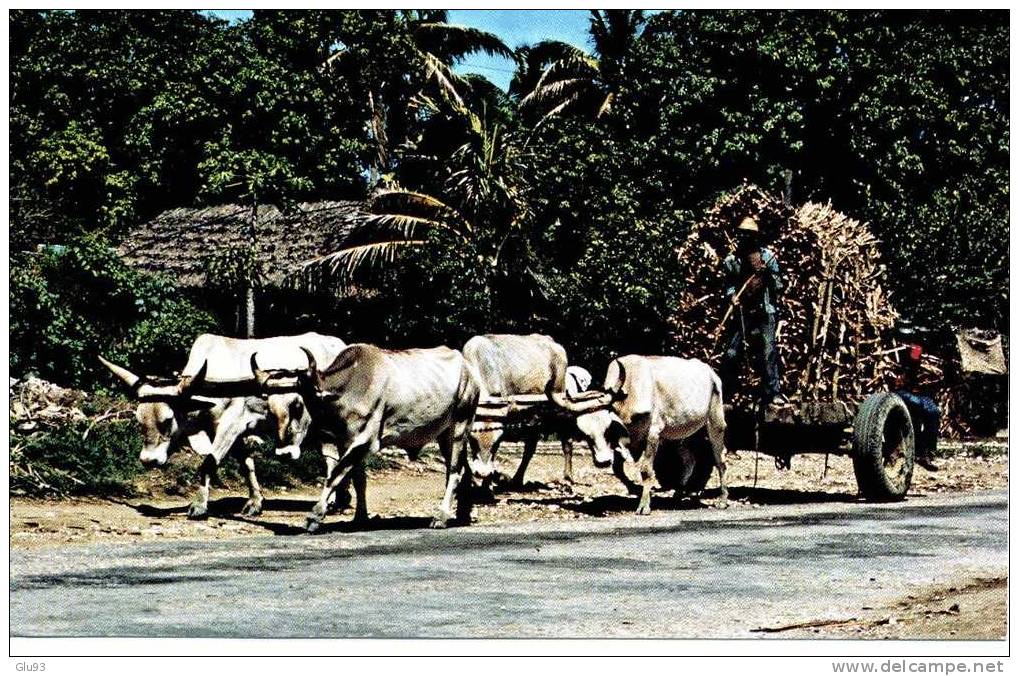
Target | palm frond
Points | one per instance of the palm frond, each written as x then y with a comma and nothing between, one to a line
454,42
558,109
606,105
409,209
348,259
548,52
553,92
444,78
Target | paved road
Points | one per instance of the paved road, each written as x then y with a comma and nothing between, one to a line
702,573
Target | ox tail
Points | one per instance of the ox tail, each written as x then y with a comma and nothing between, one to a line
717,406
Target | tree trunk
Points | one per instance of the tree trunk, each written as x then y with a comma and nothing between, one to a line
249,289
249,302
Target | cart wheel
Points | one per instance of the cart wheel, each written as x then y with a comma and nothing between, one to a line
883,448
704,464
671,465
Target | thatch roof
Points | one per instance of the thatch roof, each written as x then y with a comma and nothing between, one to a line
180,242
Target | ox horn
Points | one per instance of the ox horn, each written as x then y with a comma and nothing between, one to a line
261,376
187,383
313,372
577,407
129,379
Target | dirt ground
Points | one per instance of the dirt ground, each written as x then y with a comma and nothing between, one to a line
972,609
412,490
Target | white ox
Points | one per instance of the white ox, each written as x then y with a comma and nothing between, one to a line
646,401
508,365
368,398
213,426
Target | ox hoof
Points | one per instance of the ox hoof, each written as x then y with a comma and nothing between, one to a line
251,508
722,503
643,510
565,485
311,525
198,511
441,520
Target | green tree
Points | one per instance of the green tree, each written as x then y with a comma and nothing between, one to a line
395,57
557,77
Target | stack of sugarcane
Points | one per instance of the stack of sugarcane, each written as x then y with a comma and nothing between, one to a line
834,317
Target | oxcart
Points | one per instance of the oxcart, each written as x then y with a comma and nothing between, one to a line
877,433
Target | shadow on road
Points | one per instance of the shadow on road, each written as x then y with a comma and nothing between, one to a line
782,496
604,505
228,508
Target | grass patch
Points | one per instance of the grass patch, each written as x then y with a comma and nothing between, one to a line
101,459
77,459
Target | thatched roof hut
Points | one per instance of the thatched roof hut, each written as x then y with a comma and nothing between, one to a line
179,243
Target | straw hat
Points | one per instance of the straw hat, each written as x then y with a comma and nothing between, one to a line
748,224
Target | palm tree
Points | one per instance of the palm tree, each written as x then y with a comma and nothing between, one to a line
483,205
435,47
555,77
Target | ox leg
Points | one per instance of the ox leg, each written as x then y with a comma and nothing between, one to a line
199,507
339,471
458,485
567,460
716,434
530,446
253,507
619,469
359,475
339,499
363,443
647,471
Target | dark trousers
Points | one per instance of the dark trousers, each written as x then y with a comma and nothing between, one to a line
926,418
760,337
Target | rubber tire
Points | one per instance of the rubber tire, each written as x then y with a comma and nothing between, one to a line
669,465
704,464
876,414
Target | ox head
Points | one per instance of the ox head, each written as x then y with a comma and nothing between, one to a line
162,411
289,408
597,422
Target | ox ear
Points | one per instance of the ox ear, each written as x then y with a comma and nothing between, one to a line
617,434
619,391
122,374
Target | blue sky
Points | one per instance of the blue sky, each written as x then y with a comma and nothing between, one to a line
515,26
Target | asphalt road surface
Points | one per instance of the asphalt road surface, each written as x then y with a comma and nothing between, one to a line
699,573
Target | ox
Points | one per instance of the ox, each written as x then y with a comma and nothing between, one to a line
508,365
644,402
368,398
168,413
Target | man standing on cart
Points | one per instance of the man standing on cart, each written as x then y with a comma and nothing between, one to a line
753,283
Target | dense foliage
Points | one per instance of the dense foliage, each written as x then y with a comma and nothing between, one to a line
69,304
555,207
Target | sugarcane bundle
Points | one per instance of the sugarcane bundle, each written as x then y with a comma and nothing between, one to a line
834,317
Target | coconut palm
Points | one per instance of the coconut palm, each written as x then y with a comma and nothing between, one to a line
481,203
556,77
429,48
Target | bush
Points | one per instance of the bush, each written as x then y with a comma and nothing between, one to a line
77,459
68,304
